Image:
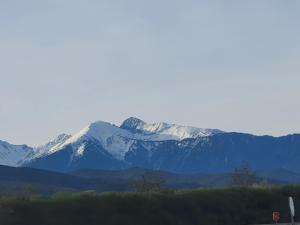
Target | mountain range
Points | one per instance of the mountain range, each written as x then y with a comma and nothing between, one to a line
26,181
156,146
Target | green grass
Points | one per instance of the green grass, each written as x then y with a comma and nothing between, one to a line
237,206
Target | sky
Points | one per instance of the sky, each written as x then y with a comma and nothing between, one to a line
231,65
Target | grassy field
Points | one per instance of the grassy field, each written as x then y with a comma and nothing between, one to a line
237,206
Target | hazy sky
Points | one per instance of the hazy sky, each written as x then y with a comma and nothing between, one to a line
232,65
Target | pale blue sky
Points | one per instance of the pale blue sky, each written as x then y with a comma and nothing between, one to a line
232,65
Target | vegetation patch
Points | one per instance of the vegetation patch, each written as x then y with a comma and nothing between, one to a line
235,206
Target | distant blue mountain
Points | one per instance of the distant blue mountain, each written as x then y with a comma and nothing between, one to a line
168,147
219,153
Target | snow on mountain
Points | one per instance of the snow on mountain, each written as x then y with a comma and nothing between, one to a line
118,140
45,149
56,142
115,140
163,146
165,131
132,124
12,155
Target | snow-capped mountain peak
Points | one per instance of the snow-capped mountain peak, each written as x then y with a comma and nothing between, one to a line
132,123
114,139
99,131
117,141
12,155
165,131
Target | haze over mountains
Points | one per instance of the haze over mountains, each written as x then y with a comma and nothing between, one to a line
157,146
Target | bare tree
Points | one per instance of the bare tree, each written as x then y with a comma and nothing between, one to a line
149,183
244,176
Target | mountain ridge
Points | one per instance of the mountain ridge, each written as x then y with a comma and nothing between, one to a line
162,146
14,181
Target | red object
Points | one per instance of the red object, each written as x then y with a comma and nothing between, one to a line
276,216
